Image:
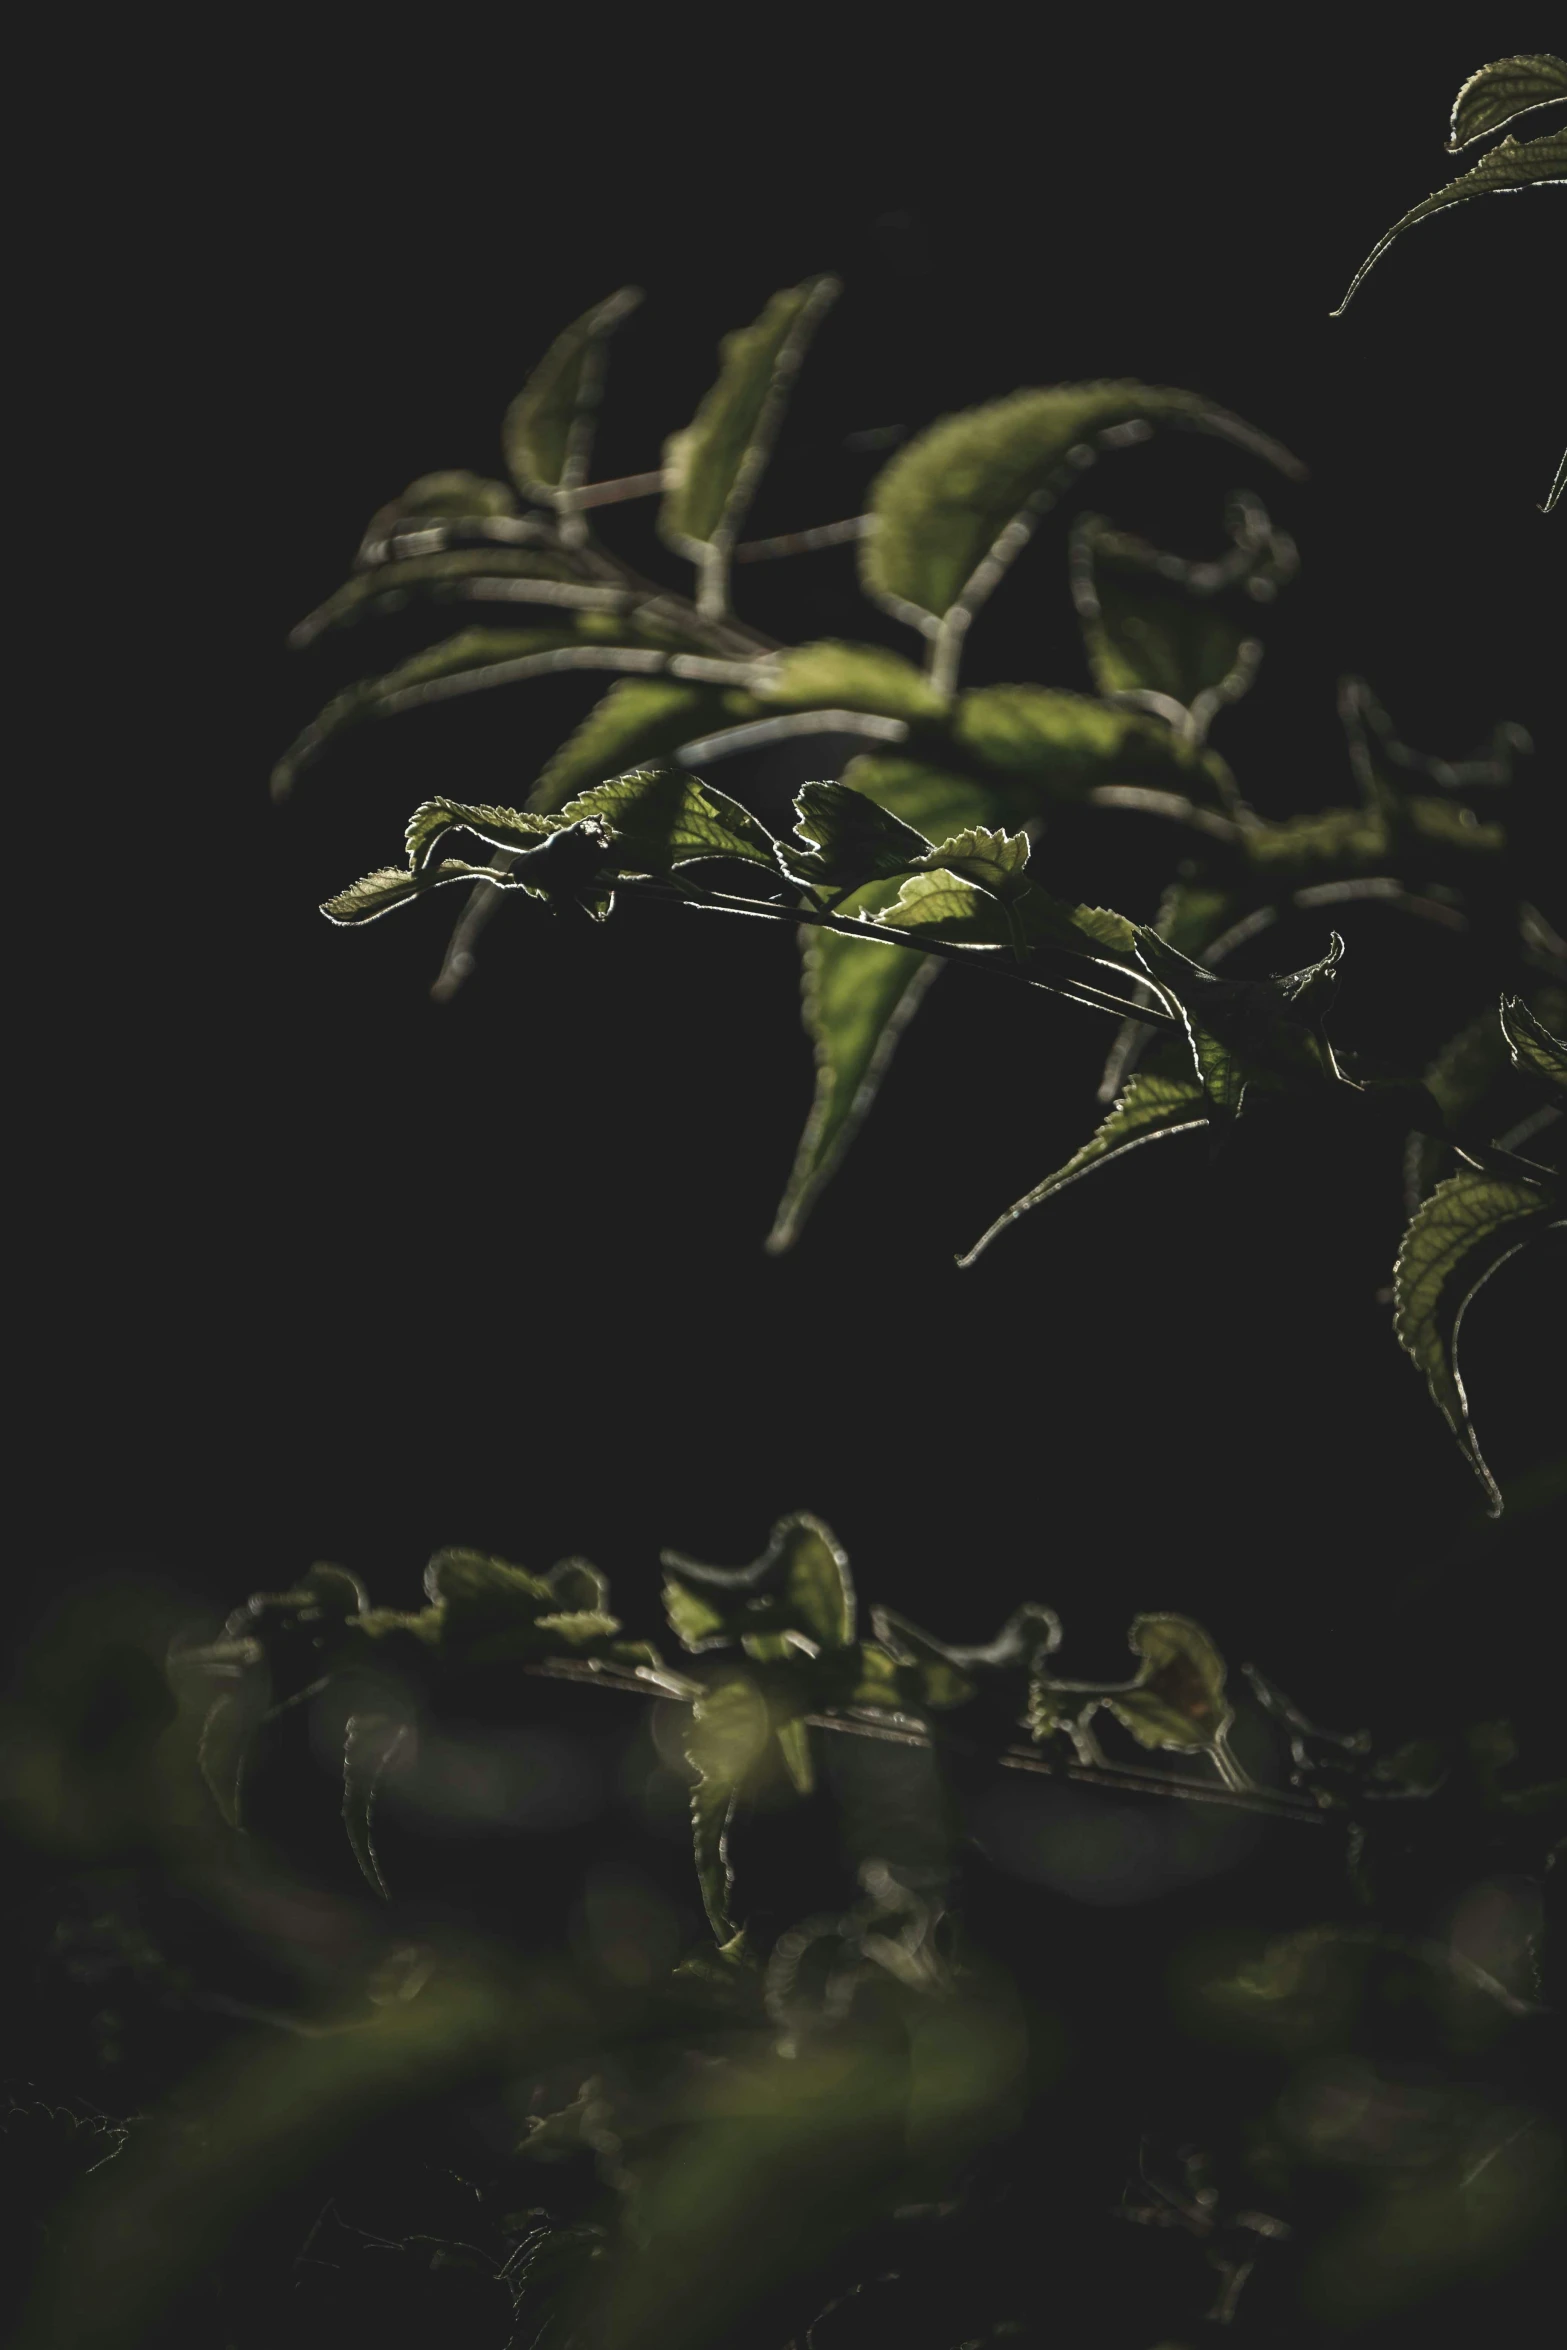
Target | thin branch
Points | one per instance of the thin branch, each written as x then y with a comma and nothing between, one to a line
616,493
802,542
755,733
1171,805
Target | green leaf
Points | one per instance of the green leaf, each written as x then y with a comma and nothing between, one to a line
436,497
577,1584
801,1583
711,469
935,801
639,721
1532,1046
1178,1700
849,839
475,659
831,675
660,818
1263,1032
942,505
1516,163
1051,745
370,1739
512,575
502,828
393,885
1155,623
484,1594
548,431
727,1735
1454,1243
1150,1108
1499,93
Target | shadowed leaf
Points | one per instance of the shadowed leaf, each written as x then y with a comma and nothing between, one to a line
548,431
1516,163
1531,1045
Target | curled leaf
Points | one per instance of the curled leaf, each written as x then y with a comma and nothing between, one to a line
1500,92
1516,163
1150,1108
1531,1045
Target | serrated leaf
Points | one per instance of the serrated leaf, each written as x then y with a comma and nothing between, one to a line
1178,1701
1455,1241
548,430
1516,163
661,818
512,575
726,1737
848,840
578,1584
502,828
453,496
976,902
484,1593
859,996
1049,745
1531,1045
832,675
638,722
1154,623
1150,1108
1263,1032
939,508
801,1583
711,469
393,885
1498,93
370,1740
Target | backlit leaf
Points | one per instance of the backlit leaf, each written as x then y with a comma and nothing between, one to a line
848,839
1516,163
726,1737
1044,744
832,675
1179,1698
711,469
378,893
942,504
1150,1108
1532,1046
548,431
1264,1032
1454,1243
370,1740
801,1583
1499,93
661,818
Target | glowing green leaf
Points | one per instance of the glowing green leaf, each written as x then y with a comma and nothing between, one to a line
836,676
1454,1243
727,1735
660,818
1178,1700
711,469
1150,1108
1049,745
942,505
1532,1046
1516,163
801,1583
850,840
1499,93
548,431
394,885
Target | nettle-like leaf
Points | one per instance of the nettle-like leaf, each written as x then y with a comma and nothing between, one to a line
848,840
453,496
391,886
548,430
1515,163
1499,93
568,867
1150,1108
660,818
712,467
1249,1032
801,1583
859,996
727,1736
1532,1047
1183,633
940,511
974,890
1456,1240
1176,1701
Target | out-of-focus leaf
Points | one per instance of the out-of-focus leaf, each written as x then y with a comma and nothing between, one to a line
1044,744
1389,771
370,1740
436,497
1154,623
639,721
482,1594
1454,1243
727,1735
548,431
500,575
936,801
1500,92
1179,1699
474,660
1532,1046
711,469
801,1583
941,506
836,676
1150,1108
849,839
1262,1032
1515,163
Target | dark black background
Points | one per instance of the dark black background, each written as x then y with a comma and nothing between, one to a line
333,1272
